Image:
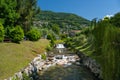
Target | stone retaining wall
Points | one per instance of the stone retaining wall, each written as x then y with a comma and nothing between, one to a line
91,64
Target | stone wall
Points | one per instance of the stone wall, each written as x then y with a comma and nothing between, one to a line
91,64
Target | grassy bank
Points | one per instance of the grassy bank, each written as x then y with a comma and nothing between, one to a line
14,57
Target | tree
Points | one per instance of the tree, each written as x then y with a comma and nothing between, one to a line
51,38
1,32
115,20
33,34
27,10
16,34
56,28
8,14
44,32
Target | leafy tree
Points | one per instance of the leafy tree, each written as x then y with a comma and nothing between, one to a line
51,38
63,36
27,10
56,28
115,20
44,32
16,34
1,32
8,13
106,40
33,34
8,31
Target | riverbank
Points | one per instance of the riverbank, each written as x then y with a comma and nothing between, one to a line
14,57
38,65
91,64
37,68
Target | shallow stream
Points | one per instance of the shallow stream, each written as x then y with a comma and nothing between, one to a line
72,72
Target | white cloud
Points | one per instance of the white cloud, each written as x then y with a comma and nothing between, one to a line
109,16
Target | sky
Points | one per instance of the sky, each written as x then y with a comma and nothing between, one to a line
88,9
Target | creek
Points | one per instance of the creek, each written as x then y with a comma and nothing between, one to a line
60,64
74,71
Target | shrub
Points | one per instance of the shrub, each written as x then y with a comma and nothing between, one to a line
16,34
44,56
49,37
48,48
1,32
33,35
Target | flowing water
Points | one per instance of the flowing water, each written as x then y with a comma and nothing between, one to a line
72,72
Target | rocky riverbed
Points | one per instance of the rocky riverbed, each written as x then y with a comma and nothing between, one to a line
55,67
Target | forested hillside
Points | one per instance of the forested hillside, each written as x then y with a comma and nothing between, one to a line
64,20
101,41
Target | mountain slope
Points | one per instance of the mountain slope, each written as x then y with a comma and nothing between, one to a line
63,19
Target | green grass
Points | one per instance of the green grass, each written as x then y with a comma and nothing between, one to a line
14,57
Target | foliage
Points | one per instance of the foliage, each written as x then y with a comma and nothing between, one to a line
25,77
16,34
8,13
59,41
48,48
18,12
33,34
115,20
27,9
52,42
64,20
106,46
44,56
56,28
52,39
1,32
102,43
63,36
49,37
44,32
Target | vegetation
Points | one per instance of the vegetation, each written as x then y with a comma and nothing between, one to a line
116,20
107,49
101,41
17,13
33,34
56,28
8,13
64,20
20,54
27,10
1,32
16,34
44,56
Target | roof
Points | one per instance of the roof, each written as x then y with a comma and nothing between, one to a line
60,46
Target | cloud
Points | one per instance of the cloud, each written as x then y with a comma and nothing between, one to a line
109,16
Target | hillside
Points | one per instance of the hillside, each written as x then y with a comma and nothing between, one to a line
14,57
62,19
